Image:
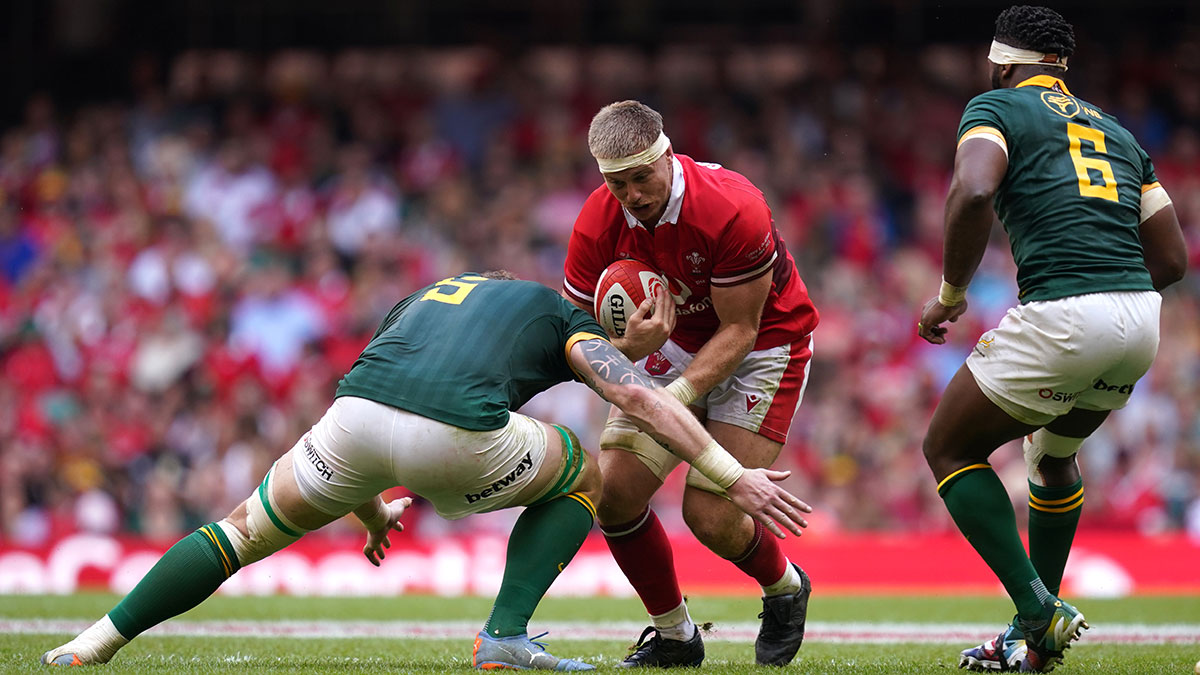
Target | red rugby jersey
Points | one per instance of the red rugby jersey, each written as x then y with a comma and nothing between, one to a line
717,231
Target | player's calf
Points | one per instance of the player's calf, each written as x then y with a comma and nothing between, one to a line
187,574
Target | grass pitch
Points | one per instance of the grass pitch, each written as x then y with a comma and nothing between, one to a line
255,643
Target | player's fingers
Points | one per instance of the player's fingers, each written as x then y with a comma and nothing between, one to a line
387,543
792,519
772,527
794,502
776,475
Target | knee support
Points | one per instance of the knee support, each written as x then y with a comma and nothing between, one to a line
1042,443
620,433
571,467
268,530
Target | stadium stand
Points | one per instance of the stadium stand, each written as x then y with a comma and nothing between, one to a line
184,274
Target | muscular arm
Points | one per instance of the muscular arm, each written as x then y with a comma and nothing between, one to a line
617,380
740,309
979,167
1164,247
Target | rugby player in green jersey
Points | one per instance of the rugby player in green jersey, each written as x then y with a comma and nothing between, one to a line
429,405
1094,237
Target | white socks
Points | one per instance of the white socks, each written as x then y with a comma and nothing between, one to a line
788,584
675,624
96,644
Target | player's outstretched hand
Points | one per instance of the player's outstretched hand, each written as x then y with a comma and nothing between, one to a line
933,316
649,327
757,493
377,540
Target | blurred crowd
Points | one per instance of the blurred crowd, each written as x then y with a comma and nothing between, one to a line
186,273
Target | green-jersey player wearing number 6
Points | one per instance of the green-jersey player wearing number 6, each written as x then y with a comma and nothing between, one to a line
1095,238
430,404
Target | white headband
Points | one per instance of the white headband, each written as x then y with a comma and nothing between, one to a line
648,156
1002,54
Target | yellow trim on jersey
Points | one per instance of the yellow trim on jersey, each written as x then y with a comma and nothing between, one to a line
1056,502
1047,81
1061,509
962,470
587,503
574,340
989,133
1150,186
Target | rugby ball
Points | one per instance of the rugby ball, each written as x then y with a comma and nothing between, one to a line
622,287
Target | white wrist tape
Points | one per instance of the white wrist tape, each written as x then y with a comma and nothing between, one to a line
951,295
681,389
717,465
379,519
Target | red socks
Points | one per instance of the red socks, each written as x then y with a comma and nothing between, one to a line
762,560
643,552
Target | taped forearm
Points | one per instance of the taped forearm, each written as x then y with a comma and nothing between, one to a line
716,464
373,514
682,390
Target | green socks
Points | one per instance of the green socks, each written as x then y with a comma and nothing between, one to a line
545,538
188,573
980,507
1053,516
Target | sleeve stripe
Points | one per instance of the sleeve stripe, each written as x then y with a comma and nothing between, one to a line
738,278
578,293
989,133
1154,199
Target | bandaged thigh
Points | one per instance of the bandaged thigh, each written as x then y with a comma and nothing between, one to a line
1042,443
267,529
620,433
572,467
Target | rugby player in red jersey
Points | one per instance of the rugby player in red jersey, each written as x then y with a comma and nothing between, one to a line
736,350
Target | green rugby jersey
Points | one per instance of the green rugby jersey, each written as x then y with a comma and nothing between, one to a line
1071,198
467,350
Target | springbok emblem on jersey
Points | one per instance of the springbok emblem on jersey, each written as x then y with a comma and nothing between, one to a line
1061,104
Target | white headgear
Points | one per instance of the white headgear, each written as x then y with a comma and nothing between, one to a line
1002,54
651,154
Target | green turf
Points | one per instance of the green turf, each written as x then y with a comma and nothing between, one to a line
18,653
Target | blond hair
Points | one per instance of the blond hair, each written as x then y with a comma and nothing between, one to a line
623,128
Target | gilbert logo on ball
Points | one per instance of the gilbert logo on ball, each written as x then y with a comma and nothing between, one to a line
622,287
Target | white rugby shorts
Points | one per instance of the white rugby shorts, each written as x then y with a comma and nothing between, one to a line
361,447
1048,357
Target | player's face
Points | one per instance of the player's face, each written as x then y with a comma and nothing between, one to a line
643,190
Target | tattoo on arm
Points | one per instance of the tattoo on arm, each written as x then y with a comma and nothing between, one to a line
610,365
